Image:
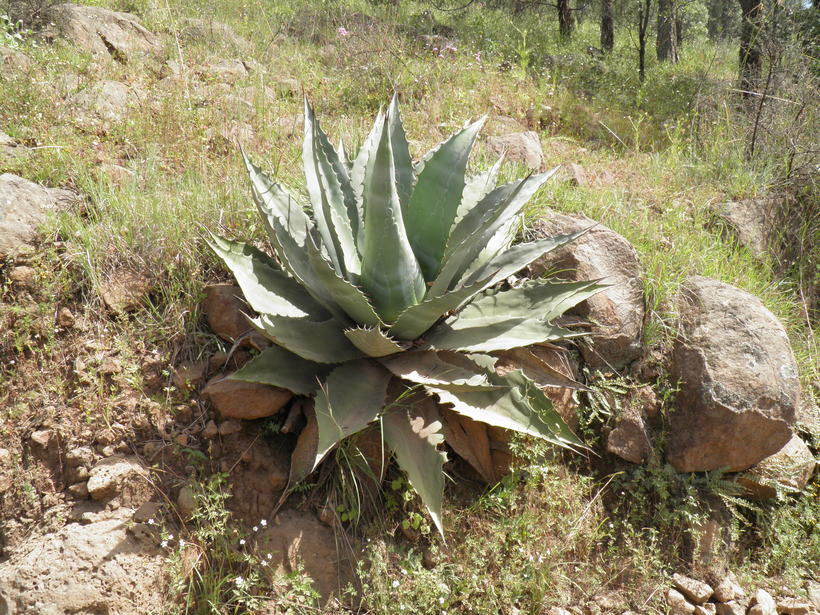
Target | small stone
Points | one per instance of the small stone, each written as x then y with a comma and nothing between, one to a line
793,606
186,502
23,276
79,490
577,175
110,366
696,591
229,427
429,559
727,590
44,438
225,311
181,439
150,449
148,511
287,87
211,431
108,450
677,603
109,475
523,147
65,318
124,290
705,609
762,603
189,376
730,608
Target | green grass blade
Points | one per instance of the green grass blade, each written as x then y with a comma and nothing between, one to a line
279,367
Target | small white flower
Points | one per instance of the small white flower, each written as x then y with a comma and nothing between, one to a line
440,600
395,583
269,556
170,536
151,522
241,541
239,581
263,522
181,542
163,544
255,528
403,571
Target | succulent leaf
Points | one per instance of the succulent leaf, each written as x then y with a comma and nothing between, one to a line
428,367
413,433
433,206
347,296
476,188
281,368
266,288
331,195
373,342
390,272
352,396
321,342
401,154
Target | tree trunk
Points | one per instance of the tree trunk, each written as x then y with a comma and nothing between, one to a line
643,26
750,58
565,20
666,43
607,26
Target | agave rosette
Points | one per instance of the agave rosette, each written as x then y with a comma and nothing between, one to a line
392,272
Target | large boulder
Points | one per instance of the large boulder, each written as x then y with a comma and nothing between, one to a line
739,388
24,206
755,222
617,313
523,147
95,568
101,32
791,467
13,61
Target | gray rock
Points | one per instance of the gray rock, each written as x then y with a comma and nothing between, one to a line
677,603
24,206
91,568
739,388
186,502
523,147
791,467
212,33
109,476
813,591
104,100
617,312
224,71
695,591
9,147
13,61
101,32
756,222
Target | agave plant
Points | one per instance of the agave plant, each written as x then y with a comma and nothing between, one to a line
395,272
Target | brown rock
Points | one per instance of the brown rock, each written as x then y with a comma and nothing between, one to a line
225,311
705,609
695,591
727,590
618,311
211,431
791,467
245,400
79,456
148,511
105,101
124,290
794,606
13,61
224,70
523,147
110,476
739,386
297,537
186,502
229,427
101,32
190,375
65,318
577,175
756,222
214,33
629,439
677,603
79,490
23,276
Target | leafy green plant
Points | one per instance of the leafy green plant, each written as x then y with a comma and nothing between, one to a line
384,304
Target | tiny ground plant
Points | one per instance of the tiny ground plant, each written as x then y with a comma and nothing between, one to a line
386,302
